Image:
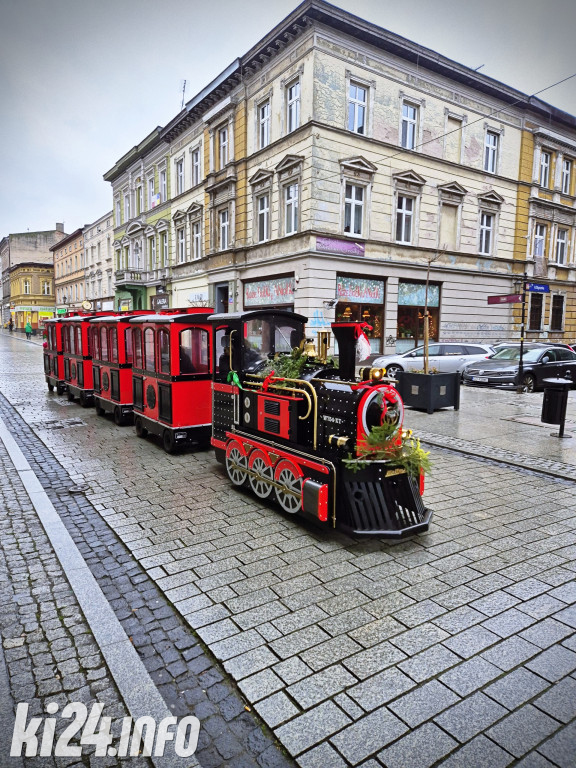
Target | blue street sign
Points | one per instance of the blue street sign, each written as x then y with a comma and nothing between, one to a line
538,287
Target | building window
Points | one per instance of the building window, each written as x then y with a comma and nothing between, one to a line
557,313
539,240
263,203
151,191
139,200
566,176
180,177
291,209
293,106
118,214
535,315
491,142
164,246
409,126
561,244
196,239
126,207
152,252
453,140
27,285
46,288
545,158
353,209
224,225
357,103
486,233
163,187
264,124
195,167
404,219
223,146
181,241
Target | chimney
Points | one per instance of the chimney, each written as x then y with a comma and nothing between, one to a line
60,226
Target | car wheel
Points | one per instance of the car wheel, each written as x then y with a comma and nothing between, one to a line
528,382
392,370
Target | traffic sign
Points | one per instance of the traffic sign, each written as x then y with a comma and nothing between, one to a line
511,298
538,287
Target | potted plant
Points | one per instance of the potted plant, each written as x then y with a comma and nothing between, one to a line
428,389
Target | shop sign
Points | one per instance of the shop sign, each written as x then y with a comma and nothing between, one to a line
414,294
198,297
125,304
269,292
61,311
509,298
360,290
160,301
22,308
348,247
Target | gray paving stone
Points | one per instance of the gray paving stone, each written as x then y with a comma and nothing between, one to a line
554,663
542,606
546,633
471,716
366,736
479,753
312,727
294,643
419,638
429,663
535,760
393,601
276,709
260,685
495,603
420,748
559,701
459,619
508,623
471,641
236,645
377,631
423,703
322,757
373,660
568,616
528,588
380,689
560,748
323,685
292,670
332,650
516,688
260,615
345,703
421,612
566,593
299,619
510,653
250,662
522,730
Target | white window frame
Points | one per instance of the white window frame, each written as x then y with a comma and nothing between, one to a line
127,206
152,252
545,164
355,106
291,194
164,246
27,286
566,175
180,176
139,200
223,153
352,205
224,229
163,185
196,230
151,191
491,150
405,215
263,218
264,111
561,248
181,245
45,287
196,174
293,96
487,229
118,212
409,125
540,232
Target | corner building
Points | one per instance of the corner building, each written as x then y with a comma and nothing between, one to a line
328,170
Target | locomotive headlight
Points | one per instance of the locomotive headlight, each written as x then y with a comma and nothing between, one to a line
377,373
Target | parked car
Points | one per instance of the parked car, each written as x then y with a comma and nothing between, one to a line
539,362
446,357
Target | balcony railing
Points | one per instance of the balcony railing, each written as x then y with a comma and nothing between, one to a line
141,277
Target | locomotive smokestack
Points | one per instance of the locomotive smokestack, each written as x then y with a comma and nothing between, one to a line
346,335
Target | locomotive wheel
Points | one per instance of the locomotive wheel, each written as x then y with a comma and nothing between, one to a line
70,396
528,382
50,387
139,427
236,465
289,492
119,419
261,481
168,441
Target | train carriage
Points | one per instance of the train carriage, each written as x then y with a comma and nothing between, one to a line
54,357
77,354
290,438
171,377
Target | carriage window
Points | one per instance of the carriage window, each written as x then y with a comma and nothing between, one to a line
164,350
137,339
222,359
149,349
194,351
266,336
128,342
104,342
95,336
113,351
66,339
52,336
76,345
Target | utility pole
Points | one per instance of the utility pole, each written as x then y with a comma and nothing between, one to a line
520,387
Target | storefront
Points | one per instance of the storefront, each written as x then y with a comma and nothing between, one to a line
277,293
411,303
362,299
36,316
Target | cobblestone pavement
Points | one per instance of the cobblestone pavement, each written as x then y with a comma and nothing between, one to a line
456,647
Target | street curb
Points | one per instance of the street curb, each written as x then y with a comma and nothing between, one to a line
139,692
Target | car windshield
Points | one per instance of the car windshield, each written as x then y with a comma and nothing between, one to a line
513,354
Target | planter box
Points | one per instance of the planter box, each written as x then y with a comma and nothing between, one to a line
429,391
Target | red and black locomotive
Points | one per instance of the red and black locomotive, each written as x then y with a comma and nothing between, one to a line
291,437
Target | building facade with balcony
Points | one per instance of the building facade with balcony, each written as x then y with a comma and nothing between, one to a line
32,295
99,263
69,271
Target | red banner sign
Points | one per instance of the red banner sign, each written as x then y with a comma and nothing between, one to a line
511,298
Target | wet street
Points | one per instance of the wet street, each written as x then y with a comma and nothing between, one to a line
145,580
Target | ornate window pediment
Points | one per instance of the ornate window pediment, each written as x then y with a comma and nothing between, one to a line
452,191
161,225
179,216
358,167
289,165
195,210
135,227
262,178
149,231
490,199
408,181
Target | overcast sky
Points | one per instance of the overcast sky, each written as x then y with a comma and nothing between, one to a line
83,81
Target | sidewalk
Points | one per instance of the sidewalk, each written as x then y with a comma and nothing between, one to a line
294,647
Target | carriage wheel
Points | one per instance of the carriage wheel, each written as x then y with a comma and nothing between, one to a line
119,419
289,492
99,410
50,387
168,441
236,465
60,389
139,427
261,481
70,395
84,399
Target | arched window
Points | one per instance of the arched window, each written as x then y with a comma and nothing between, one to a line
95,336
164,350
149,349
113,351
137,339
104,343
194,351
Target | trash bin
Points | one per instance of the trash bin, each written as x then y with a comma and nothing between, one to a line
555,400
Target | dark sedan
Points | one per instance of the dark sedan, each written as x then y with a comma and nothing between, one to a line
539,363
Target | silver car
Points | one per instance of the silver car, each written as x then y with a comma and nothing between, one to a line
445,357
